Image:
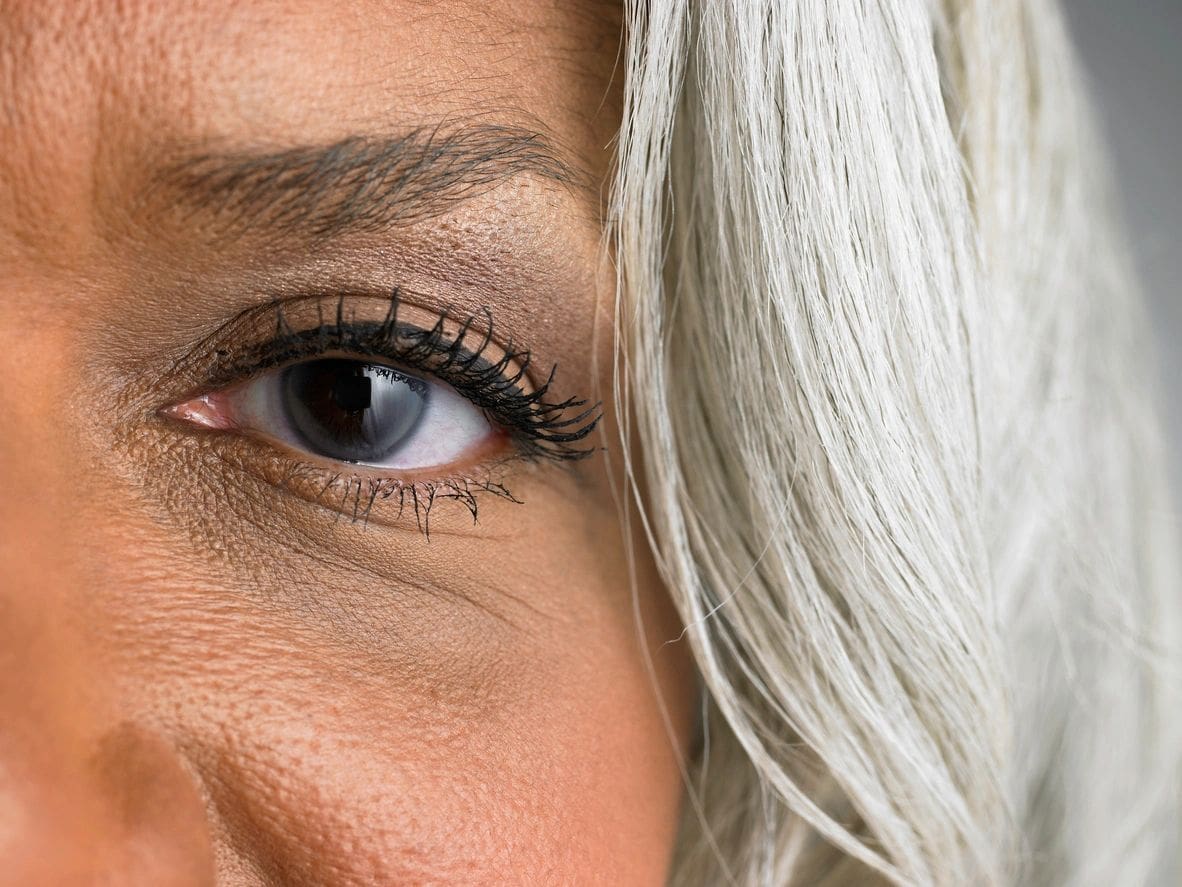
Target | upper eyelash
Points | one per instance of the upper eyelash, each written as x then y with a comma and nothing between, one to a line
552,429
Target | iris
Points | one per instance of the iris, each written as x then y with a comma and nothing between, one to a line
350,410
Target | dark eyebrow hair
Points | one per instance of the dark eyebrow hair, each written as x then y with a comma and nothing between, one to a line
358,184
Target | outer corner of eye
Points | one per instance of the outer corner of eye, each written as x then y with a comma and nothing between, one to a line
205,411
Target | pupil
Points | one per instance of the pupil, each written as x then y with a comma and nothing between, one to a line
352,392
349,410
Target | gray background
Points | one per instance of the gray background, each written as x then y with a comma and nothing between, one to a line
1132,54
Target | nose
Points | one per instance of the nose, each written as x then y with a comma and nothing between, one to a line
89,792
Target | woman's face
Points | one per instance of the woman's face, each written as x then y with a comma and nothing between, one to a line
302,581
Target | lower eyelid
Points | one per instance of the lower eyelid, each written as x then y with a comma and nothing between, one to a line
364,495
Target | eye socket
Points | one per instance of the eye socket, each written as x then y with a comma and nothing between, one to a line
351,411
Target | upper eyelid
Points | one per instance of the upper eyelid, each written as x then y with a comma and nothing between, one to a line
229,348
301,344
450,363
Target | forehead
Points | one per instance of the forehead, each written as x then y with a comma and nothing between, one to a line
93,91
192,61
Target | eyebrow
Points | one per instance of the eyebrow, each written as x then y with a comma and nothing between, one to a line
358,184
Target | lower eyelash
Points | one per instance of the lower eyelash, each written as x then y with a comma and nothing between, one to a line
418,496
356,496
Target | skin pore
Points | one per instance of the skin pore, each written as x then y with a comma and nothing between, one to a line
224,661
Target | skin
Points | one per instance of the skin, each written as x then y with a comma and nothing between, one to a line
209,673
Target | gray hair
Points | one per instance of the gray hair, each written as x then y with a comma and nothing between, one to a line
899,463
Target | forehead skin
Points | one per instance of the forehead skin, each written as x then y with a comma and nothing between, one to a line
205,679
95,89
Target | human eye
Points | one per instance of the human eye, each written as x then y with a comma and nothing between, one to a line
397,403
351,411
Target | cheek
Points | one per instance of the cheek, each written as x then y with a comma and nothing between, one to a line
424,743
527,750
565,791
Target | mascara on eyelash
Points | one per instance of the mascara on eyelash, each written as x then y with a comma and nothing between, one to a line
541,428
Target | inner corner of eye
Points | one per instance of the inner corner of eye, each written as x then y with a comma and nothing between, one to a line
213,411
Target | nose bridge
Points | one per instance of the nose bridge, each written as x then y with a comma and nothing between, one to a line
88,792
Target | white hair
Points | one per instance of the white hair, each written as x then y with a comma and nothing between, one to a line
898,460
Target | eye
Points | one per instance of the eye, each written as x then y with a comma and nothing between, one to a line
350,411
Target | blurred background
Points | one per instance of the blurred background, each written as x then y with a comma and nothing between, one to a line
1132,55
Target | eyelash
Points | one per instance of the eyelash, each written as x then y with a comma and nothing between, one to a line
539,428
420,496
